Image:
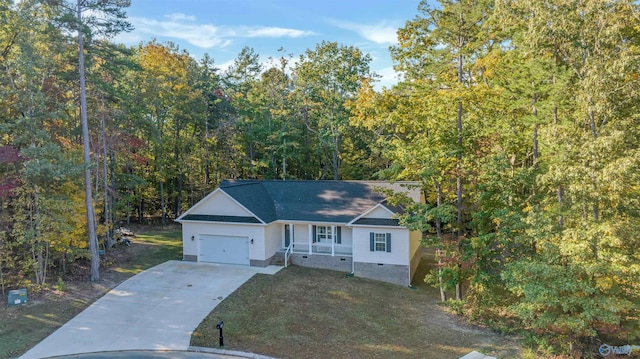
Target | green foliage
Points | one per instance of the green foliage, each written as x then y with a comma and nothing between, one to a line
327,77
519,121
456,306
60,286
548,155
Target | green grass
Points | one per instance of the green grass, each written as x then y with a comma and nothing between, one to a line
312,313
160,246
23,327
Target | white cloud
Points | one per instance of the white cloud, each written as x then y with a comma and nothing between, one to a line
388,78
129,38
206,36
178,16
225,65
276,32
380,33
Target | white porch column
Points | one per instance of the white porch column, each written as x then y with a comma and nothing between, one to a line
291,234
333,241
310,237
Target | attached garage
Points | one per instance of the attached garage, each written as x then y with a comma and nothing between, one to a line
223,249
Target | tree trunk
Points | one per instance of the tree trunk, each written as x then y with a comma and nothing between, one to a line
177,204
141,211
36,251
535,134
284,166
336,158
459,173
206,149
113,190
1,266
1,274
443,295
91,221
105,179
534,244
163,203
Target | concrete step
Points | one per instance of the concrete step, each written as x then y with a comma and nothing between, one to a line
278,259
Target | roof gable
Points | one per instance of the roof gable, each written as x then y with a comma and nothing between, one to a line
217,204
379,211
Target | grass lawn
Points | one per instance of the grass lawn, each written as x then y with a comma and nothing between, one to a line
23,327
312,313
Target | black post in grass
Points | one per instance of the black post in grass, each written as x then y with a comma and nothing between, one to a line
221,339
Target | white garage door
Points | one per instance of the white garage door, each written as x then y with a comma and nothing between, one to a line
224,249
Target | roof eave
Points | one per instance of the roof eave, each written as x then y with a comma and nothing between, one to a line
220,222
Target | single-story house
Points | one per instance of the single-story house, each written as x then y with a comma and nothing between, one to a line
340,225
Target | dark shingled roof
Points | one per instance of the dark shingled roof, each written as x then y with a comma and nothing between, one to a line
254,196
317,201
378,222
211,218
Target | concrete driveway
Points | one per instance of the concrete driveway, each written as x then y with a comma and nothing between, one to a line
157,309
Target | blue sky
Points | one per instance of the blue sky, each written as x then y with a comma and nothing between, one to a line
222,28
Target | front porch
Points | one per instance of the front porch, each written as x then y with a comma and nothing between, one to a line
322,249
327,240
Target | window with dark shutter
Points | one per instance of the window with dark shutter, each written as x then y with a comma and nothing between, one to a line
380,242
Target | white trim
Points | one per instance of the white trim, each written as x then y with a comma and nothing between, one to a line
179,219
226,223
379,205
319,223
377,226
333,241
310,238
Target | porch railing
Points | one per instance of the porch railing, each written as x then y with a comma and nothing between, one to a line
322,248
287,253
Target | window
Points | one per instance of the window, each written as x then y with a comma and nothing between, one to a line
322,234
380,242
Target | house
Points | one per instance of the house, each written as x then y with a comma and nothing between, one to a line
340,225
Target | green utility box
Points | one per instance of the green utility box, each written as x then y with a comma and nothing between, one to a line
17,297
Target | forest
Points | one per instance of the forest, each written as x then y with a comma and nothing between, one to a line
519,119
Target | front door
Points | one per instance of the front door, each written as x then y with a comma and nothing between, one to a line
287,235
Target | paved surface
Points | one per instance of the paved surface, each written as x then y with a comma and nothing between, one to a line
157,309
147,355
476,355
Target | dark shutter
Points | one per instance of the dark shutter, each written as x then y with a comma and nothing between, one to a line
339,236
372,242
314,234
388,242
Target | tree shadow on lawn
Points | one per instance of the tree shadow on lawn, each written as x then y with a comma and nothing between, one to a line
313,313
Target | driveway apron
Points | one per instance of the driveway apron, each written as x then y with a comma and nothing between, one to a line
157,309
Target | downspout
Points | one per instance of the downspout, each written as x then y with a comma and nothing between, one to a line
353,263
